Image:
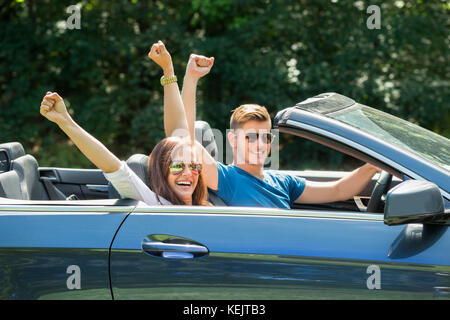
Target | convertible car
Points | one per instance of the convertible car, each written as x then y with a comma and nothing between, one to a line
66,234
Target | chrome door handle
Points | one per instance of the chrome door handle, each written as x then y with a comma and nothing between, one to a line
98,188
174,250
175,247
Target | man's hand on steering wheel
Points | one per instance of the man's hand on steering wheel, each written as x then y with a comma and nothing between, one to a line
381,187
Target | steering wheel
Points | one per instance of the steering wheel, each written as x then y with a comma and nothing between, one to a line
381,187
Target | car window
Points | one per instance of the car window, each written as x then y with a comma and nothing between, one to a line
297,153
402,134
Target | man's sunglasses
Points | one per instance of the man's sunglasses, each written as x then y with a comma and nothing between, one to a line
177,167
252,137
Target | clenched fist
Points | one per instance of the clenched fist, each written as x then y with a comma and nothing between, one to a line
53,108
199,66
161,56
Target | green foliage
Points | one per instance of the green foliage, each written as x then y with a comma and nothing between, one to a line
274,53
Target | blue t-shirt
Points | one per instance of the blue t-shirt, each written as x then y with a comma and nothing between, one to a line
237,187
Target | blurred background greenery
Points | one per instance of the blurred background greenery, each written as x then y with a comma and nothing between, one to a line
273,53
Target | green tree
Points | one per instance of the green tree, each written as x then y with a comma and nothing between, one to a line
274,53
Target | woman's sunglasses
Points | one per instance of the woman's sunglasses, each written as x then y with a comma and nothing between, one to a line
267,137
177,168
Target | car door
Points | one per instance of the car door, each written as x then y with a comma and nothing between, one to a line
183,252
85,184
57,249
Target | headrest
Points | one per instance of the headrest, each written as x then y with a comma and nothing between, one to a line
14,149
5,162
27,169
139,164
205,135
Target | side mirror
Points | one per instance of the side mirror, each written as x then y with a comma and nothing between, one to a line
413,201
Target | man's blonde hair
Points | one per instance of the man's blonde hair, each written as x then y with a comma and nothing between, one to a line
247,112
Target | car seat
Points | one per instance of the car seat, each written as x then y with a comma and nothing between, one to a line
22,180
9,180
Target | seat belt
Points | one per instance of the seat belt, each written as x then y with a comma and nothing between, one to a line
52,191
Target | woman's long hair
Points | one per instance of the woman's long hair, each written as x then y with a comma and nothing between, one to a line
158,171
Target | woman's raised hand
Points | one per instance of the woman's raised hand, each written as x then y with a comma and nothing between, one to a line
161,56
199,66
53,108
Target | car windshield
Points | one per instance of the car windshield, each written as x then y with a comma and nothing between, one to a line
398,132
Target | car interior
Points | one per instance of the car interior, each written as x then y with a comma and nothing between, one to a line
21,178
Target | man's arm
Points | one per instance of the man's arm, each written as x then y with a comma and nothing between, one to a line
198,66
343,189
188,95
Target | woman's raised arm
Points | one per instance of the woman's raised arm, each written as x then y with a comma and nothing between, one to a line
174,115
54,109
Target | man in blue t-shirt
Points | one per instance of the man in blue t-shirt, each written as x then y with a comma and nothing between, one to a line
245,182
237,187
